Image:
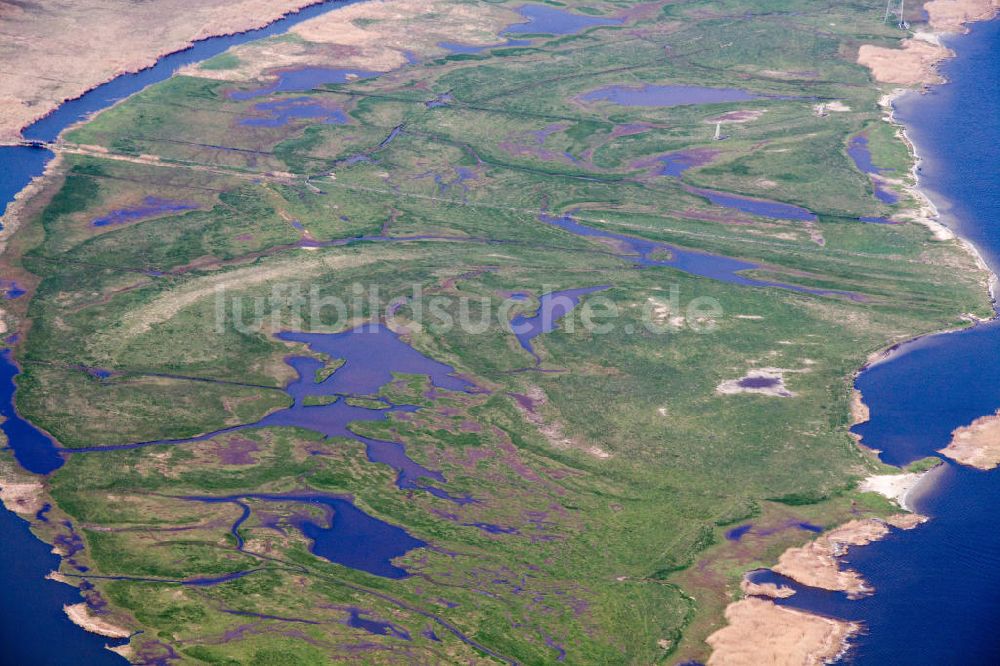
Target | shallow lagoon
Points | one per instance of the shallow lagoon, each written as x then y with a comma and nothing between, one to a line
552,21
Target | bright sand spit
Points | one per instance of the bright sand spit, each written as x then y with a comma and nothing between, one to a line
81,616
770,590
977,444
56,51
816,565
952,15
761,632
24,497
916,62
895,487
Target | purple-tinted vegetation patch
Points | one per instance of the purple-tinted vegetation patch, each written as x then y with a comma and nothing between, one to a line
469,49
304,78
552,21
281,112
150,206
237,452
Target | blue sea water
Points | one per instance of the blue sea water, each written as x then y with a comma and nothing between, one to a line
938,586
33,628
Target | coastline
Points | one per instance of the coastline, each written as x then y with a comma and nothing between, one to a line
21,493
25,195
819,558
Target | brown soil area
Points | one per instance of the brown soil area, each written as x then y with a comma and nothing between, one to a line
952,15
760,632
56,51
24,497
914,64
81,616
816,563
977,444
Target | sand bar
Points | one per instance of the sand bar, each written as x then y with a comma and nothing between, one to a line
81,616
816,563
769,590
895,487
56,51
761,632
977,444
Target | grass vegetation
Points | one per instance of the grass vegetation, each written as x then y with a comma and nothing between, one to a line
618,487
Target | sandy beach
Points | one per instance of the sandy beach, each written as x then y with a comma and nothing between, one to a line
977,444
915,63
761,632
81,616
816,564
896,487
42,59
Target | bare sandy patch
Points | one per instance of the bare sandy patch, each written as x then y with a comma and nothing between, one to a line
761,632
836,106
913,64
769,590
816,564
551,429
762,381
77,46
23,497
859,410
738,116
952,15
82,617
895,487
977,444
